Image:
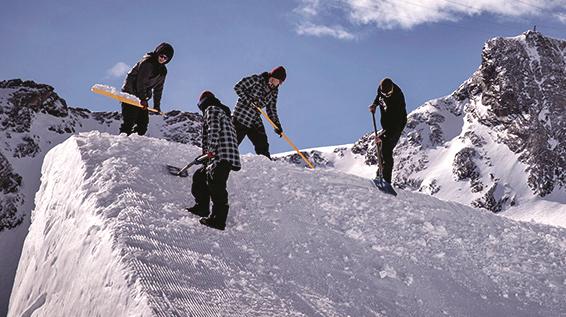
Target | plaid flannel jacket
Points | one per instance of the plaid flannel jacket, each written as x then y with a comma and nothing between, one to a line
219,136
255,89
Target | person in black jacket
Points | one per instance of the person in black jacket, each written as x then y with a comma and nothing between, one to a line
259,90
391,102
220,145
145,79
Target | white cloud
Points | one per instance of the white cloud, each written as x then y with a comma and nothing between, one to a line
388,14
561,17
323,30
118,70
407,14
308,8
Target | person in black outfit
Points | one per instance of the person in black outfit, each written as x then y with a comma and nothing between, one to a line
259,90
144,79
391,103
220,145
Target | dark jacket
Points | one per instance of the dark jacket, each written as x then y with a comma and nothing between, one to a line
218,133
255,88
148,76
393,111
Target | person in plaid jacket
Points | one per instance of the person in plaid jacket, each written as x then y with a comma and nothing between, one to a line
220,144
257,90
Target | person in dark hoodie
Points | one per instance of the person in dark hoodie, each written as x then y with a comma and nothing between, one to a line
259,90
391,103
220,145
145,79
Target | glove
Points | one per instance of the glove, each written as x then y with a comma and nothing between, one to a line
377,140
278,130
143,103
372,108
210,155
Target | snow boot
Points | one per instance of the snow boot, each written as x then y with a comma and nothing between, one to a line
213,223
199,210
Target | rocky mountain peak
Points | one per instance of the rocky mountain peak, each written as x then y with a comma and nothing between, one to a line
23,99
524,94
514,102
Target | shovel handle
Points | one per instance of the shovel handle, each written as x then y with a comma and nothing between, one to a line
195,161
377,148
285,137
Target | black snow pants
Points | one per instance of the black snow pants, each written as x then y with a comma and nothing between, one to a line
389,141
135,119
212,186
257,136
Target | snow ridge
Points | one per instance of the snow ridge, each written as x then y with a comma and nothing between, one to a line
298,243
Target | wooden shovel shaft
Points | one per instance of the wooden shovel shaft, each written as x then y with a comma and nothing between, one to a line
285,137
377,148
121,99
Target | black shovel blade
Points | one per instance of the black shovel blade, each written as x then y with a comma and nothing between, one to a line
384,186
174,170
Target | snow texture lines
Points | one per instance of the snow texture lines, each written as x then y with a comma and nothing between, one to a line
298,243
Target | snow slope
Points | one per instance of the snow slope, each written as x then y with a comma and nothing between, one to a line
550,210
33,119
109,237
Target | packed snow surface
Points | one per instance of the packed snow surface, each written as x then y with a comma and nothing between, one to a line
550,210
110,237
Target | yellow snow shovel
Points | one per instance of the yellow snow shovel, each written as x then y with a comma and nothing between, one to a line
284,136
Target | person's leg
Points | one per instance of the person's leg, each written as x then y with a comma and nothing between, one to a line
128,118
199,189
259,140
387,147
240,130
217,181
142,120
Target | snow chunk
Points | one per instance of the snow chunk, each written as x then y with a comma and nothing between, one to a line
117,92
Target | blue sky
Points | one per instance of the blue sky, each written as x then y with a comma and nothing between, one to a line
335,51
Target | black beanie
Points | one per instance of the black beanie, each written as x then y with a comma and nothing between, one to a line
279,72
205,94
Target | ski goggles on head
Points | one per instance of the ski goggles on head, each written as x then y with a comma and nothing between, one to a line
387,94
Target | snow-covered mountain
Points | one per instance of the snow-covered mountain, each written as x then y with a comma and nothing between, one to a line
33,119
498,142
110,237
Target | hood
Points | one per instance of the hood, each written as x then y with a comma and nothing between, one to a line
164,48
213,101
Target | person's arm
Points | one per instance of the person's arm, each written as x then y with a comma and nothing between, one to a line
204,137
271,110
213,130
243,87
157,93
144,73
375,102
